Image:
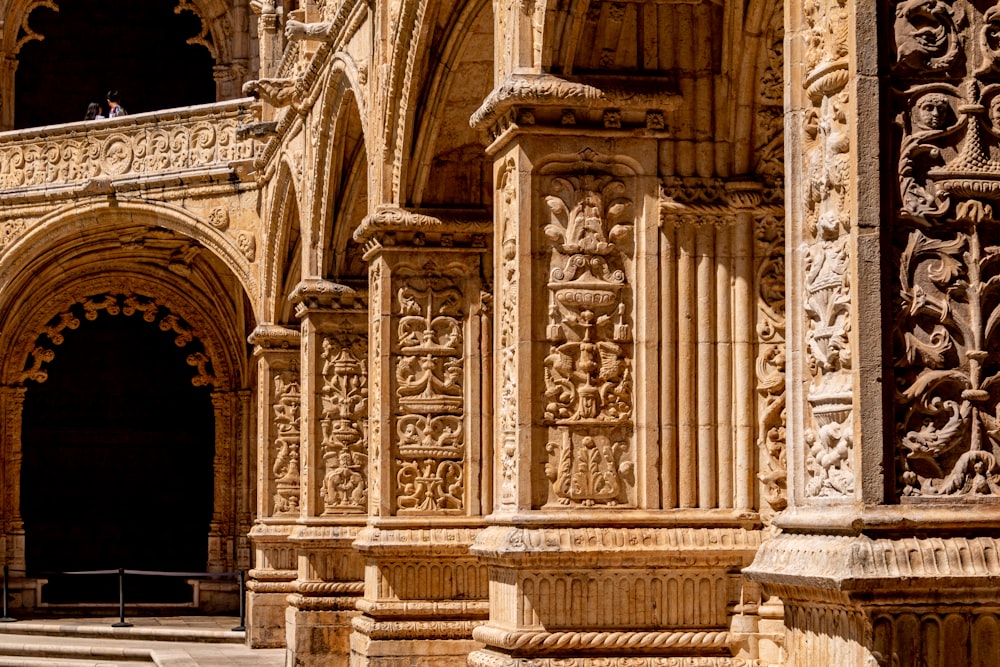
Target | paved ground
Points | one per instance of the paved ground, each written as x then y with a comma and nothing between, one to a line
175,641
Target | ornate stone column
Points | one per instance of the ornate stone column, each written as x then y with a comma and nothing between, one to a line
334,471
624,476
423,592
888,549
279,400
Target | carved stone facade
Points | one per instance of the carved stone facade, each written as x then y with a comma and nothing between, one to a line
615,334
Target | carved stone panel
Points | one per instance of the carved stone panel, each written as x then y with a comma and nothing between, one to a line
826,142
770,293
285,469
344,425
506,359
946,248
587,390
429,421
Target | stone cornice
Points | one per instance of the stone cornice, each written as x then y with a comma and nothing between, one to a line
633,93
426,542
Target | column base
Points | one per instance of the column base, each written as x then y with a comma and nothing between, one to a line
266,619
488,658
411,644
855,601
614,595
318,638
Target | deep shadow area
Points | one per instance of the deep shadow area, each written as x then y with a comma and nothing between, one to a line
90,47
117,463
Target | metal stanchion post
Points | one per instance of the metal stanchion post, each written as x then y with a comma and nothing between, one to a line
6,593
243,604
121,601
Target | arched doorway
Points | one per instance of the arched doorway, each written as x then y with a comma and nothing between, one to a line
117,467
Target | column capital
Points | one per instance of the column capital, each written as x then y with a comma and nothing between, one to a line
391,226
274,336
317,294
586,103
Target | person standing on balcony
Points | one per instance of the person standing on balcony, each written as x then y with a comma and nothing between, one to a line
93,112
115,109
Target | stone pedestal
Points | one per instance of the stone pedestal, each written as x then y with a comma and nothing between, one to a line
424,592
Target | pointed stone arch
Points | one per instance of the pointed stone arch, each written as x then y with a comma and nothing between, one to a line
341,194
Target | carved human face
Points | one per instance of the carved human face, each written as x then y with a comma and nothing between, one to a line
995,112
931,112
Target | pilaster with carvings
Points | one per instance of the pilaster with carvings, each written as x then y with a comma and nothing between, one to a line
334,451
427,448
278,471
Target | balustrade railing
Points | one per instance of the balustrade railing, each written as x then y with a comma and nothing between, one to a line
137,146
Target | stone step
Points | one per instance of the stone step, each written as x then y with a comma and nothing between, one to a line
138,632
71,655
50,662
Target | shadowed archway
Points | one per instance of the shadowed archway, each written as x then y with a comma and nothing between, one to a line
117,462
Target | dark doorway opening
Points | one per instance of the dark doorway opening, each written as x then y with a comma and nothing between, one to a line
117,464
91,47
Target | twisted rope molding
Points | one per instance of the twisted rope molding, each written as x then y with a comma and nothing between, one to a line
601,640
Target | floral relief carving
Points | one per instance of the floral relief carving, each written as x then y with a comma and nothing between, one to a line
429,368
946,246
375,389
927,34
770,289
344,424
587,391
828,433
287,403
10,230
507,336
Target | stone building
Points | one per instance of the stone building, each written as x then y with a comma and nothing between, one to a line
461,326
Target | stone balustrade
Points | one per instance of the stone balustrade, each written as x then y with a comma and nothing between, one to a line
137,147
